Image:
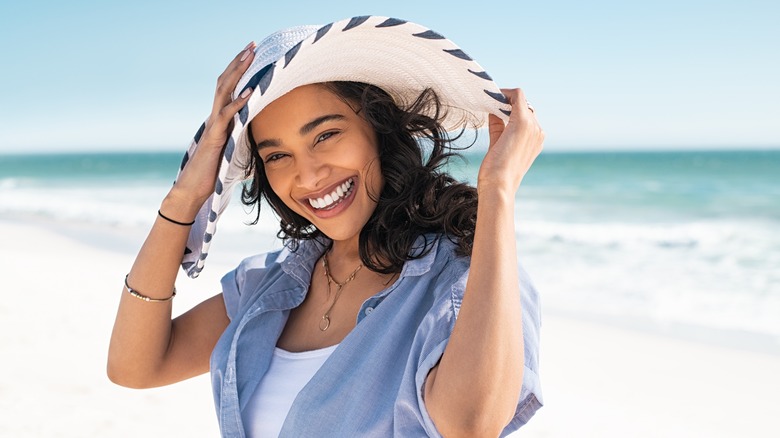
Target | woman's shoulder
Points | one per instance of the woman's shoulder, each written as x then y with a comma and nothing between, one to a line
451,264
442,268
285,268
450,270
300,254
434,253
264,261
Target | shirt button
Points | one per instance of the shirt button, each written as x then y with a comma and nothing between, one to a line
230,374
369,310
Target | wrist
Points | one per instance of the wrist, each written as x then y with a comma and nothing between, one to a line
182,208
498,191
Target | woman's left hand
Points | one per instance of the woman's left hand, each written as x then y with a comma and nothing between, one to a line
513,147
484,356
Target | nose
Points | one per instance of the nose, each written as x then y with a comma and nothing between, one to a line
310,171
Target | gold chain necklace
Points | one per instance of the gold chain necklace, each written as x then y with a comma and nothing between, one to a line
325,321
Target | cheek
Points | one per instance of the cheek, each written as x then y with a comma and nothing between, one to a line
280,186
271,182
372,167
374,179
279,179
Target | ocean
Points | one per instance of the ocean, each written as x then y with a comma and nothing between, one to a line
682,242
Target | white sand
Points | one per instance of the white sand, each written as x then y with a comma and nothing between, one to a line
58,306
600,381
60,295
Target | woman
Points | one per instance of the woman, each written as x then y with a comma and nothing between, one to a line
397,306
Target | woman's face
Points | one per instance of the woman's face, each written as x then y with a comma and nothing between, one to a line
321,159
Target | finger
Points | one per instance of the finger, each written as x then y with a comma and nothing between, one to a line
520,106
227,81
219,123
495,128
514,95
229,78
228,111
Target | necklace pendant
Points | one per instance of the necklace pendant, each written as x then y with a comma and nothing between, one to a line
324,323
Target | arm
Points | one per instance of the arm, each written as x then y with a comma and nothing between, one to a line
147,348
484,356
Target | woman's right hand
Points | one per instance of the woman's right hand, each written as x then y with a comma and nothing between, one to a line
148,349
196,181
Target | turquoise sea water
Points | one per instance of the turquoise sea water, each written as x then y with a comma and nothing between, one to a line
672,238
663,185
624,185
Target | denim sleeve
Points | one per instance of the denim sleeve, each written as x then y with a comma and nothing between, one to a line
237,283
530,395
231,290
531,392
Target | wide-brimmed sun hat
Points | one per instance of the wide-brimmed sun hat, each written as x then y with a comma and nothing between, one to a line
398,56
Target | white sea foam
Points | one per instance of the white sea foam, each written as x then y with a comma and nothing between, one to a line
719,273
8,183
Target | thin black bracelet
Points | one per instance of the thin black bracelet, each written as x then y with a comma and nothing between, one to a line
184,224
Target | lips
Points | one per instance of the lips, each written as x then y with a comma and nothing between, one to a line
334,198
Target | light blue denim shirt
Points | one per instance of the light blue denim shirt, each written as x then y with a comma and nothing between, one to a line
371,386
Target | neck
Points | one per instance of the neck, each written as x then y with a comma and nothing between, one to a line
345,253
344,258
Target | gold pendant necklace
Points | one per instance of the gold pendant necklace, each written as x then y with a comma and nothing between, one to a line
325,321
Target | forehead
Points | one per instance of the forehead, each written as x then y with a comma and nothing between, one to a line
297,108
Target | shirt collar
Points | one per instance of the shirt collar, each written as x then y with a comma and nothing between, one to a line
299,264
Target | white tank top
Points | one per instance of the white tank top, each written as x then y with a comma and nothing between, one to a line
288,373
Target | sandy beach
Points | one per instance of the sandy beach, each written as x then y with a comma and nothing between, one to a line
60,296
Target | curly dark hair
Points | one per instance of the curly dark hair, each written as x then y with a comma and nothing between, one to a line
418,196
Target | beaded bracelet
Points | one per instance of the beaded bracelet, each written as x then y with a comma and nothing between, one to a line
142,297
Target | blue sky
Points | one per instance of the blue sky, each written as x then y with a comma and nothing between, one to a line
140,75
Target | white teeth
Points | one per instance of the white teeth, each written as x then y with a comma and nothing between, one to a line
331,199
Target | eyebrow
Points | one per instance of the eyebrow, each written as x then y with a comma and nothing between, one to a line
305,129
309,127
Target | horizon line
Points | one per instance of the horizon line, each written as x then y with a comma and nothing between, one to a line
548,149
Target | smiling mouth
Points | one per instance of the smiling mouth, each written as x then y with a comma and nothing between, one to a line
331,200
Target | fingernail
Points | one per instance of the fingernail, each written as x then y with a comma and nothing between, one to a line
246,93
245,55
249,45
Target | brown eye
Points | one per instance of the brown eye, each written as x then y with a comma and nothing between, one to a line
273,157
325,136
